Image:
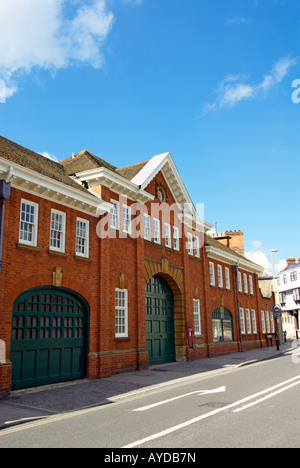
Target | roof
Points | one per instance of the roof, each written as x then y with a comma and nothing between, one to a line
150,169
292,266
36,162
129,172
84,161
210,241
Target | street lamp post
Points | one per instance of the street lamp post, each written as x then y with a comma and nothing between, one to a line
276,295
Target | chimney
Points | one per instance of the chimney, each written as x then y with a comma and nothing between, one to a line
291,261
232,239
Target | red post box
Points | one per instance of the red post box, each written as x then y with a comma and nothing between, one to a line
190,335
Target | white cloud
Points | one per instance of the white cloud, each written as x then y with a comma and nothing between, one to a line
40,34
230,94
235,89
133,2
256,244
278,72
261,258
5,92
239,20
49,156
280,266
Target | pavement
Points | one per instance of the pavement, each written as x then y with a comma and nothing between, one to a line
41,402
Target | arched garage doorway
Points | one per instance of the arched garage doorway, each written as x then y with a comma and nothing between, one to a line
160,327
49,337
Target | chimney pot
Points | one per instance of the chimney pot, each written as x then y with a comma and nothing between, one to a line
291,261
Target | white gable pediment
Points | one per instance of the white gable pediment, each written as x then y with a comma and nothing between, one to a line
164,163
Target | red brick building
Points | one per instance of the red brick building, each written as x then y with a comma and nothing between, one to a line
106,270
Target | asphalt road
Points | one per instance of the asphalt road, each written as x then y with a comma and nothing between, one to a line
252,406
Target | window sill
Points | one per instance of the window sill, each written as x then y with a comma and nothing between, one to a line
122,338
28,247
60,254
85,259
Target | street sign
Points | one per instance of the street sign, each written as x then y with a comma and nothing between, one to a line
277,312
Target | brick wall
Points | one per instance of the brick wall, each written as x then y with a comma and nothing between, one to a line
117,261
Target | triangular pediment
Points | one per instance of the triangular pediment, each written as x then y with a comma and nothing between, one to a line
164,163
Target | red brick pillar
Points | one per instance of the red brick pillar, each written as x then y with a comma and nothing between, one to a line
5,379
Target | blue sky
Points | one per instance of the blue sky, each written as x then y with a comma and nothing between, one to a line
210,81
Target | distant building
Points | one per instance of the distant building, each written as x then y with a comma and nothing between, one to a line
289,296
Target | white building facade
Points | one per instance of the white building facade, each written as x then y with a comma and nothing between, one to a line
289,297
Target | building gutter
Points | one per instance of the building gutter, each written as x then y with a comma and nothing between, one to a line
4,195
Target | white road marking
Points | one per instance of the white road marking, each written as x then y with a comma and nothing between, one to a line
265,398
208,415
199,392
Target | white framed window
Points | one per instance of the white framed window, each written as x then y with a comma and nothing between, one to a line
57,230
245,283
250,284
197,246
294,276
197,316
82,237
227,277
284,279
268,321
212,274
240,281
248,321
175,238
147,227
114,215
278,280
220,276
28,223
263,323
254,325
126,210
121,313
190,243
168,241
272,323
156,230
242,321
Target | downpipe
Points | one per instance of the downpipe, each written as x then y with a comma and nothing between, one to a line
4,195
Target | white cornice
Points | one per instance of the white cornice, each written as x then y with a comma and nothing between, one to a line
231,259
149,171
37,184
164,163
115,182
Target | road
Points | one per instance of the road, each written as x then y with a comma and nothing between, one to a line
252,406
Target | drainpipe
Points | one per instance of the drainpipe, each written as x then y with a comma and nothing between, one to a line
4,195
236,269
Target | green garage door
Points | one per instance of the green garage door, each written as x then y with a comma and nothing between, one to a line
160,335
49,330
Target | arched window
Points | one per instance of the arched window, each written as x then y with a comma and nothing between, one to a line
222,324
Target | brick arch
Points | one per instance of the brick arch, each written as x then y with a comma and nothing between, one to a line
47,280
33,282
163,267
174,277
